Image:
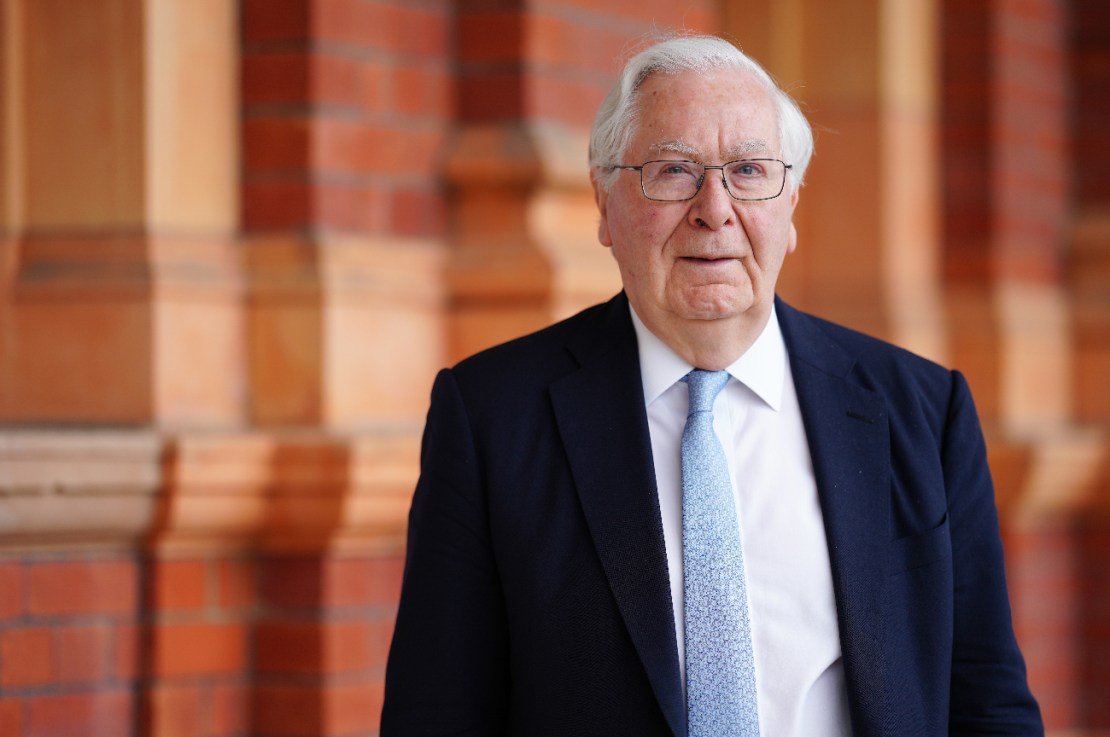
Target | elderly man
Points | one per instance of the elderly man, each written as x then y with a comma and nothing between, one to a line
694,510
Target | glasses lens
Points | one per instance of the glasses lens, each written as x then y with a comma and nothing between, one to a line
671,180
755,179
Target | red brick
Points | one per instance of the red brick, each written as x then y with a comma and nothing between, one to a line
83,653
485,37
380,636
374,214
179,585
352,22
567,101
346,645
288,711
294,711
11,717
398,149
236,584
376,86
175,711
276,144
312,647
418,213
373,697
275,20
335,80
276,204
573,45
230,710
83,587
275,78
199,649
338,206
421,91
11,590
287,647
291,582
423,32
301,78
26,656
309,582
125,652
361,581
491,97
340,144
350,709
106,713
354,147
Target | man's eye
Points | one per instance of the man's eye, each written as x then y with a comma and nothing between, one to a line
675,170
748,170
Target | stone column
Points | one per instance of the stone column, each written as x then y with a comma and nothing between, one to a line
867,218
121,326
1008,124
119,208
524,225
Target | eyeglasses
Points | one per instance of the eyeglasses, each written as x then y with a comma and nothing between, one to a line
747,180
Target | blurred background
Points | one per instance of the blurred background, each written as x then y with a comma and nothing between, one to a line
238,238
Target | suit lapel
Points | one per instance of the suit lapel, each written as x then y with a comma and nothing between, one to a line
603,424
848,433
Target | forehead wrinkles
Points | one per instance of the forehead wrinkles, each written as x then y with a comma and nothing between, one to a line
656,107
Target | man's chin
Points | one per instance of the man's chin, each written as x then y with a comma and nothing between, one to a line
716,308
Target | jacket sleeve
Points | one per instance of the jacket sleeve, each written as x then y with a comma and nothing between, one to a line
447,667
989,692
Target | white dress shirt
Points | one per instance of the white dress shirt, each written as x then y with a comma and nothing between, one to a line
799,672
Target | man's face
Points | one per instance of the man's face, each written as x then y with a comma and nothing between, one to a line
712,257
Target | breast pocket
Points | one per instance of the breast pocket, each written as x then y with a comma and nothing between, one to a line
917,551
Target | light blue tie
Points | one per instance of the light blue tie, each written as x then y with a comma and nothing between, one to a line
720,668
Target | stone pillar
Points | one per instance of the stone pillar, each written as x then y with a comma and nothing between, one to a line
1088,279
120,265
1006,158
347,107
1010,108
1088,272
524,224
121,325
867,219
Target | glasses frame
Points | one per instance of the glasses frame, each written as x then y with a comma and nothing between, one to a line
706,168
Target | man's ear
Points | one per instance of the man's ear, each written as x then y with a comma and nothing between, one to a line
601,197
792,237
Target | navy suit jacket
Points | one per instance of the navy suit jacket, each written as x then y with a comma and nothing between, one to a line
536,600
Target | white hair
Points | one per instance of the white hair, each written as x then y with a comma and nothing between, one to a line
615,123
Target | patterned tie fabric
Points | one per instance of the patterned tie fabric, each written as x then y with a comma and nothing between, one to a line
720,668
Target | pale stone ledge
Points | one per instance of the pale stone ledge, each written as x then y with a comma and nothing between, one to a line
75,489
303,491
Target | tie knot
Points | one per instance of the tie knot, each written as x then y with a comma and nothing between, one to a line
704,388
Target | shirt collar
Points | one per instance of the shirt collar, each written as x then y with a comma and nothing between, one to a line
762,368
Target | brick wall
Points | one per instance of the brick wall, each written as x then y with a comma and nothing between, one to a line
322,644
412,174
197,644
347,105
70,632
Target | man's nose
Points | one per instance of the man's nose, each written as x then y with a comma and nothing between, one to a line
712,206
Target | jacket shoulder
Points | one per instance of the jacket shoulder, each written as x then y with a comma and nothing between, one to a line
908,382
809,335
